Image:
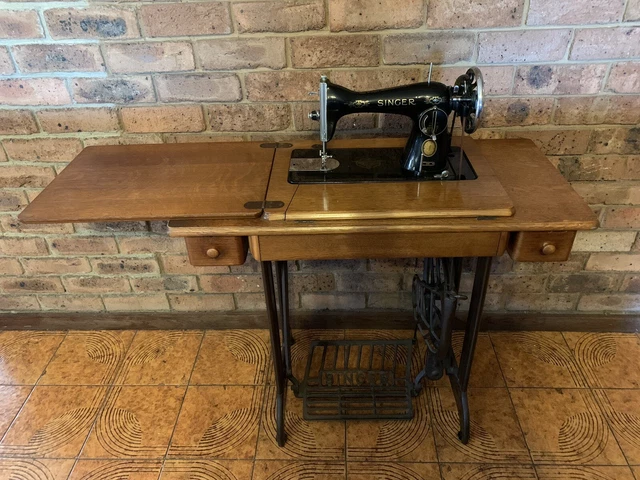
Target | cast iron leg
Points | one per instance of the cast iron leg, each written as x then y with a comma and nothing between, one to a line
276,349
282,273
460,382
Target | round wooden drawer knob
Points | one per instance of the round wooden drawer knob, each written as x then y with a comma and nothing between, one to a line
215,253
548,249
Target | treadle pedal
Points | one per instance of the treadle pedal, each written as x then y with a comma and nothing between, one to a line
358,379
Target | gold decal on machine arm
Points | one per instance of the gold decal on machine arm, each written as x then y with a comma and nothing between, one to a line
396,102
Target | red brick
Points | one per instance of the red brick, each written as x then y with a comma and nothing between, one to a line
603,43
124,139
67,120
155,244
279,16
202,137
92,22
615,140
58,58
289,86
17,122
255,301
15,24
179,264
161,284
630,284
230,283
556,142
6,65
361,15
498,79
559,79
363,80
59,266
137,302
82,245
311,282
14,176
624,77
603,241
20,284
113,90
541,302
391,301
465,14
192,303
15,302
11,224
581,283
633,11
96,284
149,57
502,112
183,19
12,200
368,282
112,227
10,266
594,167
34,91
617,262
233,53
43,149
436,47
163,119
609,303
522,46
71,303
335,51
569,12
597,110
622,217
197,87
333,265
247,117
19,246
333,301
607,193
124,266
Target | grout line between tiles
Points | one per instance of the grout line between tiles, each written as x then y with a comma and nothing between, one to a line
515,412
184,396
33,387
262,406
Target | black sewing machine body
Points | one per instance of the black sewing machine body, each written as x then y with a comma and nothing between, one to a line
429,105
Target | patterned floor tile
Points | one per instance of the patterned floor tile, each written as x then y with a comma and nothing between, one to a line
308,440
135,422
24,355
536,359
565,426
87,358
608,360
288,470
42,469
393,471
11,399
463,471
393,440
206,470
232,357
116,470
621,408
495,433
160,358
557,472
486,370
54,422
218,421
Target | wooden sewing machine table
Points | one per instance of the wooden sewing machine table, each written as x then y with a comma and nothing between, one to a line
226,197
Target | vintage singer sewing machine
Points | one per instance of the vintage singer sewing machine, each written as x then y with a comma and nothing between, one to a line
430,197
428,151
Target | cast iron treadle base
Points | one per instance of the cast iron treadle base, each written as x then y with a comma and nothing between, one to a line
358,379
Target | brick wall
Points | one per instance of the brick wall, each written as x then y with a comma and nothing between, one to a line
564,73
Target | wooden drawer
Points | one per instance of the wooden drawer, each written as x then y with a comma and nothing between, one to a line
378,245
541,246
212,251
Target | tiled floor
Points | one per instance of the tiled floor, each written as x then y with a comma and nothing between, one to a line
176,405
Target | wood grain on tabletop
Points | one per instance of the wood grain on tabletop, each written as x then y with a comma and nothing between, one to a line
156,182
